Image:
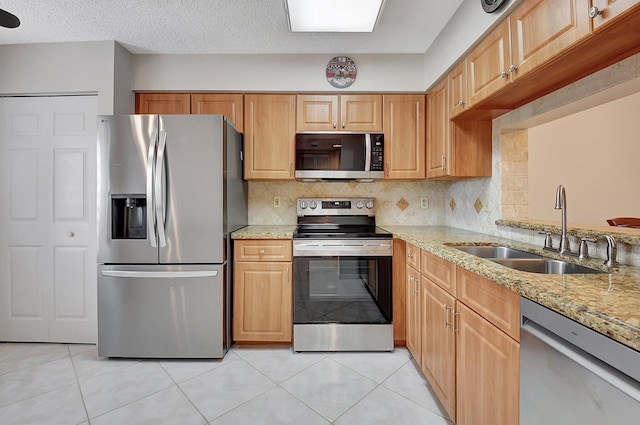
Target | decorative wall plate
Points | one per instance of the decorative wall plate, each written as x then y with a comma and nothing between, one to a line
491,6
341,72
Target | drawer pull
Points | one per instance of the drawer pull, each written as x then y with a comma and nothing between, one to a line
261,251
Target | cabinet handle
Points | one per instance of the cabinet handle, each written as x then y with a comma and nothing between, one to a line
262,251
454,327
461,102
594,12
287,269
512,68
503,74
446,316
344,125
410,255
444,162
335,125
387,168
290,169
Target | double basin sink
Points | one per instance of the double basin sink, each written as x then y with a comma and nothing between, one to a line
524,261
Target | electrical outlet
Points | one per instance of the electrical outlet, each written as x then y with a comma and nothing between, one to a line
276,201
424,203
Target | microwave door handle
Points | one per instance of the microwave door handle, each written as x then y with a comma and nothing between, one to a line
151,216
160,176
367,155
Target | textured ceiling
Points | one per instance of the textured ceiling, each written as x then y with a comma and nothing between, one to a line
216,26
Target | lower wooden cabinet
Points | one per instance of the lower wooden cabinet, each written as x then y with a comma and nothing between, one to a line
463,331
487,369
262,292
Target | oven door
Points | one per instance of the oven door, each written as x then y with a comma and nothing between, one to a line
342,289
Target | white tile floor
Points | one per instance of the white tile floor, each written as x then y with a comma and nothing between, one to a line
69,384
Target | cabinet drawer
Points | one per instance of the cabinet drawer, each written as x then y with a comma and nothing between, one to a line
440,271
263,250
495,303
413,256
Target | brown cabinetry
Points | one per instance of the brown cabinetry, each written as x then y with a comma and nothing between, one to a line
163,103
455,149
269,136
229,105
262,310
404,137
606,12
463,331
339,113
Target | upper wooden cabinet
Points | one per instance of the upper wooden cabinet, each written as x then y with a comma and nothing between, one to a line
339,113
455,149
458,100
542,29
269,136
229,105
533,34
163,103
404,137
605,12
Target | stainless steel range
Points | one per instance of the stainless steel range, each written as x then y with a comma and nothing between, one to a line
342,277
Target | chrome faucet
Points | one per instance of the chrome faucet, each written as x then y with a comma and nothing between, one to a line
561,204
612,251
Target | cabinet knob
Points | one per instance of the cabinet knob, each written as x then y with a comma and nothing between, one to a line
594,12
512,68
461,102
503,74
344,125
262,251
71,234
335,125
410,255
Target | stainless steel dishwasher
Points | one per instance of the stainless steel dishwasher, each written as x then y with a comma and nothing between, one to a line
570,374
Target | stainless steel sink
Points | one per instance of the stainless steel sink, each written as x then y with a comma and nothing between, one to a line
544,266
489,251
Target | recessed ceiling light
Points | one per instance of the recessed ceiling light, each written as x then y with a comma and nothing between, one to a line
333,15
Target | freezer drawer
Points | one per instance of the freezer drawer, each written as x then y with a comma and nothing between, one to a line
161,311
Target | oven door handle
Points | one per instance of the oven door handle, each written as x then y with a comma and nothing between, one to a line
332,250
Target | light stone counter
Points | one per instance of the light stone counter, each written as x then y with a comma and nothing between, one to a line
607,303
264,232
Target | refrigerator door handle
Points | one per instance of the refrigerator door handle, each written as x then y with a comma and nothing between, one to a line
159,204
151,217
159,274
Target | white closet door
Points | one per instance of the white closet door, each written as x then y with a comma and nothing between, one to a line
48,219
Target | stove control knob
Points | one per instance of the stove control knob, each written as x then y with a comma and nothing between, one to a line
369,204
303,205
359,205
313,205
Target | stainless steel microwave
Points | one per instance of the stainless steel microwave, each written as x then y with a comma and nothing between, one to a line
339,156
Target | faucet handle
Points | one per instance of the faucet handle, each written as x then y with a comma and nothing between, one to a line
612,251
583,250
548,242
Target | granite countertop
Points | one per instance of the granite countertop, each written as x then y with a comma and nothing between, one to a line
264,232
608,303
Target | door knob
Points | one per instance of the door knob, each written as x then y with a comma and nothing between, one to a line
71,234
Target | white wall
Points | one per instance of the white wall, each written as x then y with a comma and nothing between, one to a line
55,68
267,73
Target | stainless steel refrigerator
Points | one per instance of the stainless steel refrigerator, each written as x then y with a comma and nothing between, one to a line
170,192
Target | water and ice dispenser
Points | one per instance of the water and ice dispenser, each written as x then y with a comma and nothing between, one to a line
128,217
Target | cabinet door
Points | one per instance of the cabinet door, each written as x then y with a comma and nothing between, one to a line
542,29
399,270
488,65
413,313
457,86
438,128
262,302
269,137
163,103
361,112
488,365
404,136
612,10
229,105
439,344
317,113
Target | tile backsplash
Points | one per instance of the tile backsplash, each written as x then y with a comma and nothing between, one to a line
397,203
